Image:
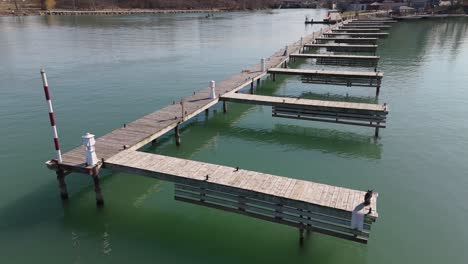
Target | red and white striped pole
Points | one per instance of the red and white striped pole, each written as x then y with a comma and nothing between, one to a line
51,115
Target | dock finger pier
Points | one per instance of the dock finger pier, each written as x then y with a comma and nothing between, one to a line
305,205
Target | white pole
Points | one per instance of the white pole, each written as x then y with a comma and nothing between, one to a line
213,92
51,115
262,65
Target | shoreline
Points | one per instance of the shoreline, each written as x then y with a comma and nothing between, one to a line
66,12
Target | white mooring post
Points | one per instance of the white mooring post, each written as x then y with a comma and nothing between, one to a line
89,142
212,92
262,65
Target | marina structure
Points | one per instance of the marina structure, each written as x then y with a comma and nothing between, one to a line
305,205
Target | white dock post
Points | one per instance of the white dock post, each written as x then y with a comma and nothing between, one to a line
262,65
89,142
213,92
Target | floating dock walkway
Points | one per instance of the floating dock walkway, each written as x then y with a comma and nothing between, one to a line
357,30
302,204
306,205
362,41
382,27
340,60
359,114
375,22
347,78
356,35
336,47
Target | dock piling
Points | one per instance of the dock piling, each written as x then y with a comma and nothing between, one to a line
301,235
252,87
62,185
224,107
97,189
177,135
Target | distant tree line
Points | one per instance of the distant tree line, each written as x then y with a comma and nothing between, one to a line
160,4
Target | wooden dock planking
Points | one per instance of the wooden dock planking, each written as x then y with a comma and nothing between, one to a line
383,21
304,103
347,78
350,26
142,131
369,41
337,47
340,60
357,30
357,35
302,204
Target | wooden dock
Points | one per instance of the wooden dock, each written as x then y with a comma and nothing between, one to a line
390,20
347,78
302,204
362,41
374,22
336,47
382,27
357,30
138,133
356,35
306,205
340,60
359,114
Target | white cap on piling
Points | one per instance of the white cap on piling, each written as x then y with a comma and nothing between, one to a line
212,92
89,142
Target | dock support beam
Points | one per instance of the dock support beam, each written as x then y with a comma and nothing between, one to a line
62,185
177,135
224,107
274,77
258,82
377,130
377,91
97,189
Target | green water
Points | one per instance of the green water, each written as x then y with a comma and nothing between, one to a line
106,71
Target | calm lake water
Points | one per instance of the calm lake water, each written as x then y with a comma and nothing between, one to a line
106,71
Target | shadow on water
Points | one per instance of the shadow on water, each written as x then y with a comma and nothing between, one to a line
197,231
339,97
